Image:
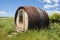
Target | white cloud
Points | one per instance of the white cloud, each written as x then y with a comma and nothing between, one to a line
2,12
49,12
56,4
48,1
56,1
50,6
54,11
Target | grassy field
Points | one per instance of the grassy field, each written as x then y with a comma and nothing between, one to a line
7,25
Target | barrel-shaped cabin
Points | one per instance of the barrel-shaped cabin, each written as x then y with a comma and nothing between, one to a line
28,17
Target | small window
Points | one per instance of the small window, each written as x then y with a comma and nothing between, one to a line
21,16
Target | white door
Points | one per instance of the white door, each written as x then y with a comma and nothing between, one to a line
25,21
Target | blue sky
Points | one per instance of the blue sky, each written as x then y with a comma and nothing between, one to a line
9,7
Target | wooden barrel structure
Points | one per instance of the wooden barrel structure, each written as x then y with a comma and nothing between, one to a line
27,17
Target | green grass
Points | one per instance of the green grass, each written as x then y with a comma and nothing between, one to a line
7,25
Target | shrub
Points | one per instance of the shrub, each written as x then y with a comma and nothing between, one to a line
55,17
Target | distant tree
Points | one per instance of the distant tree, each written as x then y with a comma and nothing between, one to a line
55,17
